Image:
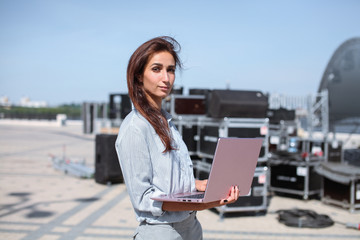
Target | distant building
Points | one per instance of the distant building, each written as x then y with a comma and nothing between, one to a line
4,101
26,102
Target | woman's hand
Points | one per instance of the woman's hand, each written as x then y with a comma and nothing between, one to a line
188,206
232,197
200,185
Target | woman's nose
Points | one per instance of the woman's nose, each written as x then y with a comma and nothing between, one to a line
166,76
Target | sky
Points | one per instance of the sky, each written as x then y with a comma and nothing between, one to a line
74,51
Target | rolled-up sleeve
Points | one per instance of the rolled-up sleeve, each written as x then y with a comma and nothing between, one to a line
135,161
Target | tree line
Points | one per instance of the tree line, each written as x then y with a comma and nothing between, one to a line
72,111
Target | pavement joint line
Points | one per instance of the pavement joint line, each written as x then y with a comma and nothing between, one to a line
72,135
32,150
46,228
14,231
20,223
79,229
228,238
31,175
104,236
113,228
31,206
273,234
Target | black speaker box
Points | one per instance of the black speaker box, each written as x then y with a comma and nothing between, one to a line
276,115
107,167
237,104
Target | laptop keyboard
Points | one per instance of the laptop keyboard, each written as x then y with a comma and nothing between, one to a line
201,195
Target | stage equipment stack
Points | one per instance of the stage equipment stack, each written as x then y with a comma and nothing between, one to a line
209,130
203,118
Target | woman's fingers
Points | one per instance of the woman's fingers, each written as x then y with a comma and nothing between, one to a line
233,192
201,185
236,192
205,184
233,196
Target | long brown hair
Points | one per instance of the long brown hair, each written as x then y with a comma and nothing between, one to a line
135,71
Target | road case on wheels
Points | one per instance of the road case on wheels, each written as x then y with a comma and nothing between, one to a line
188,129
255,201
294,177
341,185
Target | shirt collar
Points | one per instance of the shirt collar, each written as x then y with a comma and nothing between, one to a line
166,115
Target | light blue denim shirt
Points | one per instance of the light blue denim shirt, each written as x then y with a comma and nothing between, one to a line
149,172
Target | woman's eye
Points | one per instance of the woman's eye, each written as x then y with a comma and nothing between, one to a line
172,70
156,69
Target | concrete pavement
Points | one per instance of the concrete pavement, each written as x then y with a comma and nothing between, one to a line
38,202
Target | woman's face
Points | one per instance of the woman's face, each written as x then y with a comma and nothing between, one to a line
159,77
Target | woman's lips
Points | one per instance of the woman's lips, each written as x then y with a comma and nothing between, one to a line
164,88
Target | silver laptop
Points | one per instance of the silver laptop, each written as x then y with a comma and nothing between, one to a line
234,164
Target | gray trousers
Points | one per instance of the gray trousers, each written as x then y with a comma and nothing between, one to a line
189,229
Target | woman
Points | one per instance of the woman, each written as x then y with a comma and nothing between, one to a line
152,155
